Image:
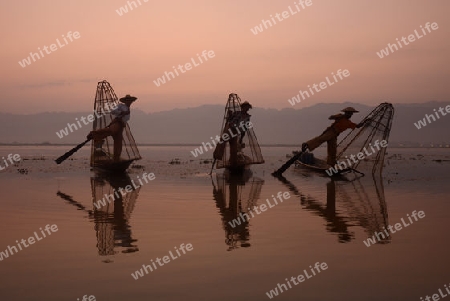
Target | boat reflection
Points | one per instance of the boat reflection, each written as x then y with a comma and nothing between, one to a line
359,202
111,221
233,195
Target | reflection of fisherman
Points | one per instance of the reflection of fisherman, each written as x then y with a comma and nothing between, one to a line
112,220
341,123
234,121
230,209
115,129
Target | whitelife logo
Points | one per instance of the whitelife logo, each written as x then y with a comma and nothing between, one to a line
225,137
12,159
319,87
86,120
437,297
166,259
31,241
411,38
124,190
243,217
423,122
188,66
319,267
342,165
86,298
390,229
265,24
53,47
124,9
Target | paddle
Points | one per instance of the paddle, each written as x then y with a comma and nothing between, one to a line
71,152
286,165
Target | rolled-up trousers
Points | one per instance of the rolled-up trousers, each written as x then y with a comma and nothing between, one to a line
219,151
330,136
115,130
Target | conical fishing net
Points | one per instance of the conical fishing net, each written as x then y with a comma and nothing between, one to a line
105,101
346,206
364,149
246,147
366,205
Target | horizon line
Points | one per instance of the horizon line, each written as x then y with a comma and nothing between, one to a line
255,107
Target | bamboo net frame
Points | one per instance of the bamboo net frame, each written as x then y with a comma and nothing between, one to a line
105,100
251,153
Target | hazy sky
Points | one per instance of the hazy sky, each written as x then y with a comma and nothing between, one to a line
133,50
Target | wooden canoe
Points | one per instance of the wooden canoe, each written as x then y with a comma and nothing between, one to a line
321,166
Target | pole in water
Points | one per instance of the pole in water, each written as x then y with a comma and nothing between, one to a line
286,165
71,152
212,167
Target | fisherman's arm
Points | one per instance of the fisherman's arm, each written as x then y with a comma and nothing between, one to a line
335,117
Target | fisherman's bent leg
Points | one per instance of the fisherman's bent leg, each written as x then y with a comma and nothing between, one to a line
233,151
117,147
324,137
332,150
242,137
101,134
118,138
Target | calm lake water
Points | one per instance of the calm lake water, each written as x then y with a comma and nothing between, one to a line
96,251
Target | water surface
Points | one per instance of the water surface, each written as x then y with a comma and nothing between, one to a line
95,250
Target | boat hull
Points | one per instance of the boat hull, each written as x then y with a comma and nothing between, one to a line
238,170
112,166
320,166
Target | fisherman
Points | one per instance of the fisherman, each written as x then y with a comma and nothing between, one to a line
235,128
341,123
236,119
115,129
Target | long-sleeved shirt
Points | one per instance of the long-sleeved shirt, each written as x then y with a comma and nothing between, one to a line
122,108
237,117
342,123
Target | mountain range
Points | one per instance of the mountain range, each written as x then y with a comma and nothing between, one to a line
196,125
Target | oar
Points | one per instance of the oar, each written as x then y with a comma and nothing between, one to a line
71,152
289,185
69,199
286,165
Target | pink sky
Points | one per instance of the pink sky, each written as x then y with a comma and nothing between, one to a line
133,50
